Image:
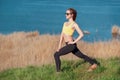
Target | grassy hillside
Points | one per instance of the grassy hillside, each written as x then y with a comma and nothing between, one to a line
22,49
71,70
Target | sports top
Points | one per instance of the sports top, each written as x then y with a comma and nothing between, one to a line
68,30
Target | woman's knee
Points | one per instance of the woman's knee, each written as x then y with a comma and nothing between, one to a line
56,54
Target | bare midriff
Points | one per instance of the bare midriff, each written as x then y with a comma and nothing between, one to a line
67,38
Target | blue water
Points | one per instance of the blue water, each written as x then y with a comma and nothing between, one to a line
47,16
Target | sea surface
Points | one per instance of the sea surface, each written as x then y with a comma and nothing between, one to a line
48,16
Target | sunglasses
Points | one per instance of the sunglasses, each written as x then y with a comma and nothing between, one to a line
68,14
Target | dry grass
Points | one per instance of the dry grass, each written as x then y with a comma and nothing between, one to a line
21,49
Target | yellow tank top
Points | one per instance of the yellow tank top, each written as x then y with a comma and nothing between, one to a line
68,30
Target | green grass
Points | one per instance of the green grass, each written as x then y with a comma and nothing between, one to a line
71,70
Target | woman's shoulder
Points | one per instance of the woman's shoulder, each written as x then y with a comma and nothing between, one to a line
65,22
75,23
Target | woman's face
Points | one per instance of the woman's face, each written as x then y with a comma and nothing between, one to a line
68,14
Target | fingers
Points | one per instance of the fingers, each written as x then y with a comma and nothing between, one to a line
71,43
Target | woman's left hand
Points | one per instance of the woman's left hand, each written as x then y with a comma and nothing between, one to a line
71,43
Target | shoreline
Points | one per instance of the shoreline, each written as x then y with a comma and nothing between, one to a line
86,37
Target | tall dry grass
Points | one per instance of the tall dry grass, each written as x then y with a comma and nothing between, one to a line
20,49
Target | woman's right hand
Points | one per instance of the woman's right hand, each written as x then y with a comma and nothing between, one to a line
57,50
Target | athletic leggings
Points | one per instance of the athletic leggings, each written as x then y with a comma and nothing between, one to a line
67,49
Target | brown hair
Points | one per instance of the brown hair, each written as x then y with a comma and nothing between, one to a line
74,12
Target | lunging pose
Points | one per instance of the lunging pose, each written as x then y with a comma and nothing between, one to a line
68,29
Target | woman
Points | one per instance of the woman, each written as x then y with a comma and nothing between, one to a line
68,29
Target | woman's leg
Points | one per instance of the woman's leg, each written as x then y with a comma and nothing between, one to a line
65,50
78,53
93,62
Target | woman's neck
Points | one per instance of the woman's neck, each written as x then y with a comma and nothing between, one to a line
70,20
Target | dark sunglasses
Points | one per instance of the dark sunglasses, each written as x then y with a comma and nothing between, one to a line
67,13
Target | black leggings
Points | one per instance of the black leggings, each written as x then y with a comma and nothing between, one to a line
67,49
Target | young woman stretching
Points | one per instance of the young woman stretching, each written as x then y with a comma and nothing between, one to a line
68,29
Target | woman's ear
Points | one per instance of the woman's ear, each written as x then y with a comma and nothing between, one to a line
72,15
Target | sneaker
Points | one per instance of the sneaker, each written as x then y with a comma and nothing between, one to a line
92,67
58,73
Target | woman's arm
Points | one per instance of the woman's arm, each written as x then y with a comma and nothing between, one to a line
60,42
79,32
